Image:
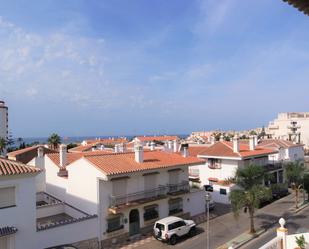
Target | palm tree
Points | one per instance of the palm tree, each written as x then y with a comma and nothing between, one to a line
3,144
251,191
54,140
294,172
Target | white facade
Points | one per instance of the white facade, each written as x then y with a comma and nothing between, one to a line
90,190
23,214
288,154
278,128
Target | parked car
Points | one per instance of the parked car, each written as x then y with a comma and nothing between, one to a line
171,228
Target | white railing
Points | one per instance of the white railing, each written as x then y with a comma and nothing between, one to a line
275,243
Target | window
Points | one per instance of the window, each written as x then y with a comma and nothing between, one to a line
7,197
222,191
209,188
175,206
214,163
160,226
114,223
151,212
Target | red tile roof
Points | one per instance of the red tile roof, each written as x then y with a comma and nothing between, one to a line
278,143
119,163
9,167
225,149
22,151
156,138
196,150
125,162
82,148
107,141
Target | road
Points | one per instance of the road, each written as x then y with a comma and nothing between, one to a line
225,227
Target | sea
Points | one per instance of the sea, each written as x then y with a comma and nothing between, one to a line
68,140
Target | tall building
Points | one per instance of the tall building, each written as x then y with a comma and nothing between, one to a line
293,126
4,130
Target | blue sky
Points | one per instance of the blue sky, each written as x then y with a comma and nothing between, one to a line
137,66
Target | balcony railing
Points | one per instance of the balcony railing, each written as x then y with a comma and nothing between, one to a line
149,195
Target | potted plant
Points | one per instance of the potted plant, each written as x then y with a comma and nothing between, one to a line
301,242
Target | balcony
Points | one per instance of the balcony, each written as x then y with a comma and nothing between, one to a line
133,199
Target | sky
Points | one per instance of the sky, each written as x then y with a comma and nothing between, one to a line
124,67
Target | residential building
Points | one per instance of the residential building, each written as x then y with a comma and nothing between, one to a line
222,159
127,191
17,205
290,126
108,142
4,126
27,154
146,140
286,150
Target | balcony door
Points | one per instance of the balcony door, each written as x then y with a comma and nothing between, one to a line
150,183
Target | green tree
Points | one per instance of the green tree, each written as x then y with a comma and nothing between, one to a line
3,144
251,191
294,172
252,132
54,140
306,184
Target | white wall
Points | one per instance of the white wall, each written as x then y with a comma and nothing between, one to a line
66,234
23,216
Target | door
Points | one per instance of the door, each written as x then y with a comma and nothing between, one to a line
4,242
134,226
182,228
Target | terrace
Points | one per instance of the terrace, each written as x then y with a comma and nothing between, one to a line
137,198
52,212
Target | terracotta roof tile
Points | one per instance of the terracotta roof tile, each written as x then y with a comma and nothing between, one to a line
9,167
225,149
125,162
157,138
118,163
278,143
22,151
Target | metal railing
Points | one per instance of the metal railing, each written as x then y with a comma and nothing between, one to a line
147,195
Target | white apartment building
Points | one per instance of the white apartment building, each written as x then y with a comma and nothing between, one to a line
128,191
280,127
286,150
4,131
222,159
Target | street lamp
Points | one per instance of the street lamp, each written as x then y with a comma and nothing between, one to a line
207,198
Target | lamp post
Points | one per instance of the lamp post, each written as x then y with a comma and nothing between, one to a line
207,198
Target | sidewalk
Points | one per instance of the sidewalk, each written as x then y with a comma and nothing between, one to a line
265,217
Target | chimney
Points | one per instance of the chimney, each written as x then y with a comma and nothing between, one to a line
235,144
63,155
63,161
139,153
221,138
185,150
212,140
116,149
176,146
40,152
252,142
152,145
170,145
255,140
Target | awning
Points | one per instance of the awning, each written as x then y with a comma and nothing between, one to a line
213,179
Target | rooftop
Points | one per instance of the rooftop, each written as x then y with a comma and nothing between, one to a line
278,143
156,138
119,163
301,5
9,167
225,149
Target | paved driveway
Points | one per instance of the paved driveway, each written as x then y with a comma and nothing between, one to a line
225,227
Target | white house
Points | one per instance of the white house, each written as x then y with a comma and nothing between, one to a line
222,159
17,205
127,191
286,150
